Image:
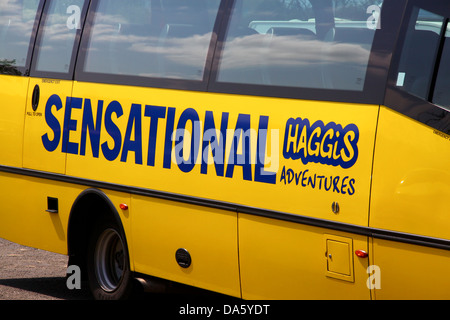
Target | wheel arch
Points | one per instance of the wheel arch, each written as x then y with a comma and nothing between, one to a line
89,208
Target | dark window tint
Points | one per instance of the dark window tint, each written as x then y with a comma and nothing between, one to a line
151,38
57,35
442,89
308,43
419,53
17,19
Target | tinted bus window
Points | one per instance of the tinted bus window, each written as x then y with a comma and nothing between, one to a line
58,36
419,53
162,39
442,89
16,26
309,44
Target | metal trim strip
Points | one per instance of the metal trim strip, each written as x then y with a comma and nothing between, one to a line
390,235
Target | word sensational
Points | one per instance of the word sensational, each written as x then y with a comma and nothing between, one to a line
319,143
242,309
184,136
304,178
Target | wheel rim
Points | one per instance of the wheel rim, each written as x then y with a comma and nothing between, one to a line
109,259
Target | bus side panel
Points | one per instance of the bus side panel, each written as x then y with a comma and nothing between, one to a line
280,155
209,235
24,216
13,93
406,271
284,155
283,260
411,189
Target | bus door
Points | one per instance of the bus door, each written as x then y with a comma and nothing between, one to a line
49,105
411,184
17,24
45,144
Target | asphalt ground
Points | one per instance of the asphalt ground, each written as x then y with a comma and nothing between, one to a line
32,274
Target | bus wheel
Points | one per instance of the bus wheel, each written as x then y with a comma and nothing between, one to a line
108,264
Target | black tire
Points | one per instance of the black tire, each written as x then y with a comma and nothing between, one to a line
108,265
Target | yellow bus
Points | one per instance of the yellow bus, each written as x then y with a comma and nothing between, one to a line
262,149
